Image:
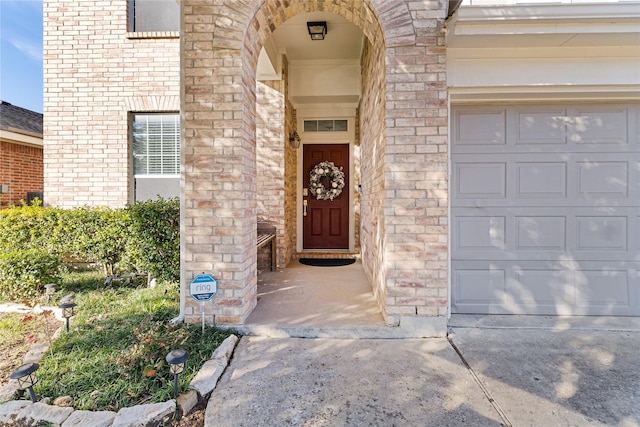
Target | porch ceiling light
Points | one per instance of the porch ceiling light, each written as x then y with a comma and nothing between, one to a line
317,30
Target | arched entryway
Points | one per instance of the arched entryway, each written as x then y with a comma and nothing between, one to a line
401,120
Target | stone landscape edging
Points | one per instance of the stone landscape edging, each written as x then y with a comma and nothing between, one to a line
24,413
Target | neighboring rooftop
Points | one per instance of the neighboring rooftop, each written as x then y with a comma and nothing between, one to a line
20,120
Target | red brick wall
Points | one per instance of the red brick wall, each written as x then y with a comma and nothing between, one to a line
21,168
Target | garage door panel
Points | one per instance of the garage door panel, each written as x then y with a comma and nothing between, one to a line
529,287
608,289
634,187
546,233
601,234
599,125
484,233
634,243
577,179
541,127
540,180
481,128
480,180
549,221
603,179
480,286
529,129
538,233
542,288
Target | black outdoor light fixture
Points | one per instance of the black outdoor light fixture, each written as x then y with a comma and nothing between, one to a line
67,311
26,376
294,139
177,359
317,30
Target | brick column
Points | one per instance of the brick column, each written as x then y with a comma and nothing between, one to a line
416,165
219,162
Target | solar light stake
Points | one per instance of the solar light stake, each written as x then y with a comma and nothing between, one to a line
26,376
177,360
67,311
50,289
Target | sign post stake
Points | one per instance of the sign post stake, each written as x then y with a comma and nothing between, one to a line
202,311
203,288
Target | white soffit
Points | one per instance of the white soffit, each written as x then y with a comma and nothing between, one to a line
545,25
342,42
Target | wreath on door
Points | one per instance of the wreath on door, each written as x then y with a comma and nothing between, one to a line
329,173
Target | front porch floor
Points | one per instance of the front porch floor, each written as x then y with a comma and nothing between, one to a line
304,301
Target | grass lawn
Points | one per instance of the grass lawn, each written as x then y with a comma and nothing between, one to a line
18,332
114,353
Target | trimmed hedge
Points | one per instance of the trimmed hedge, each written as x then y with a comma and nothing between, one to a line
23,273
93,234
25,227
155,248
144,237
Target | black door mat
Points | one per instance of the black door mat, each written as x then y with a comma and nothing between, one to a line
326,262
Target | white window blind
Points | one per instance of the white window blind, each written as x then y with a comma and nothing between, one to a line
156,144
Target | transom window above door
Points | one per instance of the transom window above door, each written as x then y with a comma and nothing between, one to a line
325,125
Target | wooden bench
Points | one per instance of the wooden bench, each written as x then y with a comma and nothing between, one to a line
267,235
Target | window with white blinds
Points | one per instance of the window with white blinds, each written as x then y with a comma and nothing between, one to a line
156,144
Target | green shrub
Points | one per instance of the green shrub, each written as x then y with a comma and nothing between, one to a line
23,273
155,243
97,234
143,237
25,227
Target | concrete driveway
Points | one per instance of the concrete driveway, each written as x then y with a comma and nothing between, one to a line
494,370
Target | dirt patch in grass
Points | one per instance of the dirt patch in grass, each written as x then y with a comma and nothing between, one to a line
195,418
18,333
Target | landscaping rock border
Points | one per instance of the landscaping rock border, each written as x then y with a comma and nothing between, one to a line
23,413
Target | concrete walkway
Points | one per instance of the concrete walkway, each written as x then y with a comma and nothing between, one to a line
494,370
491,371
543,371
332,382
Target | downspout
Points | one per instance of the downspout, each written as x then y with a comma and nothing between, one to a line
183,287
183,179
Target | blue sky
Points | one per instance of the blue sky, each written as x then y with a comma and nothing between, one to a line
21,53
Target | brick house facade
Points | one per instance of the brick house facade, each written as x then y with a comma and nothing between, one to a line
237,166
405,281
21,162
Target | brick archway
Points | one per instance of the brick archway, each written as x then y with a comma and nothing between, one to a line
220,47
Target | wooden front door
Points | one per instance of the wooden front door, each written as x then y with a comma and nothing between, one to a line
326,223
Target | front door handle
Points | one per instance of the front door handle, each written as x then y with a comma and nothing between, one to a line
304,208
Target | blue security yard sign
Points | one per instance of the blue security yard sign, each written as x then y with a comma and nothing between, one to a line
203,287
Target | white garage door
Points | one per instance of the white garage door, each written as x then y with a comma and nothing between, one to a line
545,206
